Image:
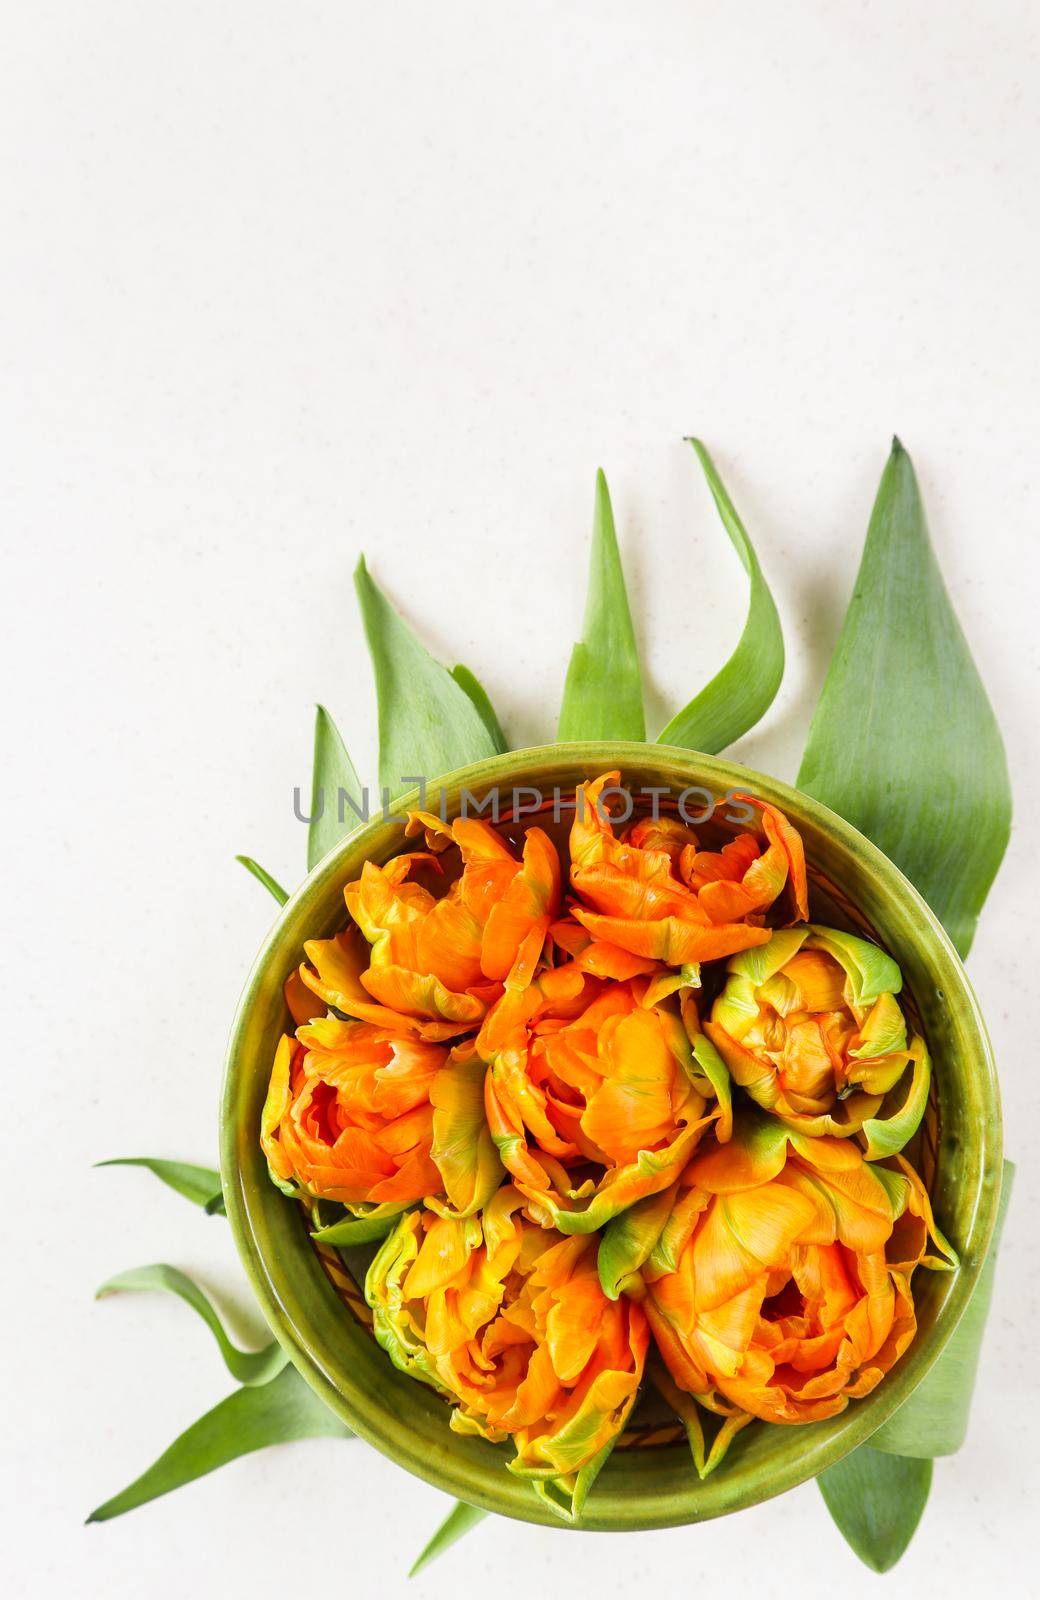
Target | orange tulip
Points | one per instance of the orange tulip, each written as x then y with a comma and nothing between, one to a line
508,905
437,962
654,893
782,1288
810,1026
356,1115
594,1096
508,1320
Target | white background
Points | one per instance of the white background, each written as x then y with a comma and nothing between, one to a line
286,282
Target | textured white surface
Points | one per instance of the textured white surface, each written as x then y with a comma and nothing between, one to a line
288,281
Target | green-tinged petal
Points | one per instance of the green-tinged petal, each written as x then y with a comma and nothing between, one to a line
198,1184
904,743
459,1521
629,1240
270,884
760,963
603,695
481,700
463,1150
245,1366
934,1421
870,970
566,1494
896,1188
746,686
706,1457
889,1132
249,1419
649,1173
384,1292
333,772
717,1074
428,725
371,1223
876,1501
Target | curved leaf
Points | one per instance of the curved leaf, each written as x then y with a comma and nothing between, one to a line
333,771
201,1185
245,1366
367,1228
746,686
877,1501
460,1519
904,743
479,696
269,883
249,1419
934,1420
603,695
428,725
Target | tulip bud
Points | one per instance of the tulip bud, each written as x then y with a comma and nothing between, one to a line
810,1026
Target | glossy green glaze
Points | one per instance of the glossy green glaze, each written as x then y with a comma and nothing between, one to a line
652,1487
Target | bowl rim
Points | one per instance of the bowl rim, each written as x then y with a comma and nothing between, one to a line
482,1480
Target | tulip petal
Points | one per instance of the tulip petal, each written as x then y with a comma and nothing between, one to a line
628,1241
871,971
887,1134
463,1150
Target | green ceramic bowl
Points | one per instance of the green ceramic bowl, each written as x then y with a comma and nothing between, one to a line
656,1486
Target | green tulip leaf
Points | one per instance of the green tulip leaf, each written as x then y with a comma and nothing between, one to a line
198,1184
603,695
371,1225
460,1519
904,743
270,884
333,772
249,1419
428,724
934,1420
744,689
245,1366
877,1501
479,696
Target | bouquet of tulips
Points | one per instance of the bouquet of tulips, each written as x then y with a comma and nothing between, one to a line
609,1107
663,1111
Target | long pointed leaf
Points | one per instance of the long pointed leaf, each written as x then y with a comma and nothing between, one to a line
481,700
904,743
333,771
746,686
201,1185
249,1419
877,1500
245,1366
460,1519
428,725
603,695
269,883
934,1421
